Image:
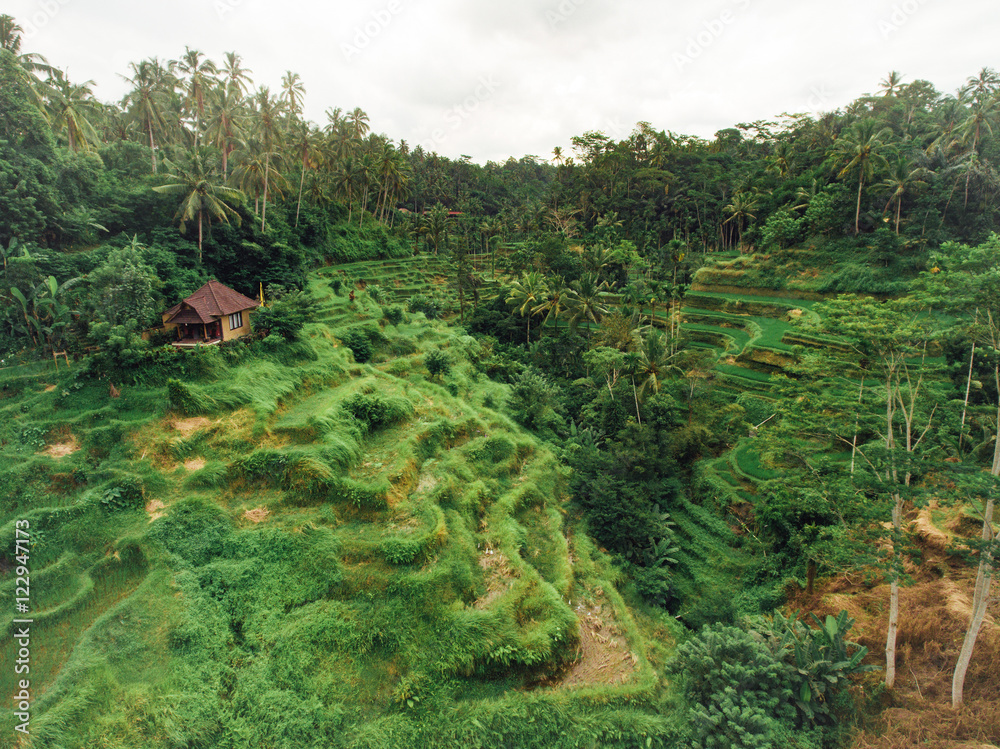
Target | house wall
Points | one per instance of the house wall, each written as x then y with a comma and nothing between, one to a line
229,335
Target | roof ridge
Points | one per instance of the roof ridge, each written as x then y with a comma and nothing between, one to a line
211,288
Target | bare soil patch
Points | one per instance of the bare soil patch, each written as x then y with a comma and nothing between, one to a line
49,388
153,508
257,514
62,449
194,464
187,427
499,576
604,656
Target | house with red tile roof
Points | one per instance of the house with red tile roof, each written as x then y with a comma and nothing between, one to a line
212,314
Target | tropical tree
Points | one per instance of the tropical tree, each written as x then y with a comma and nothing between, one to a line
585,305
892,84
267,131
226,127
200,72
235,76
359,123
292,92
967,280
649,365
306,141
72,106
861,146
554,302
436,225
146,102
525,295
202,194
902,178
741,208
894,338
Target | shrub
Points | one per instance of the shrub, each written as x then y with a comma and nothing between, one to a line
126,494
534,400
376,411
359,345
780,231
393,314
265,465
432,308
376,293
438,363
286,316
738,693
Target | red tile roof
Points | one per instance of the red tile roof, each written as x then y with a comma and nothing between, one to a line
210,302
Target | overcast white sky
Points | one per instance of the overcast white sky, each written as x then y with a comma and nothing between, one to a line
499,79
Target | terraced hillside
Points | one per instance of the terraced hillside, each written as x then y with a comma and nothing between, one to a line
283,547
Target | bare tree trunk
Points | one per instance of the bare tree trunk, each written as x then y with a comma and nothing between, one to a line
854,442
897,518
857,213
302,179
980,600
263,212
152,148
965,403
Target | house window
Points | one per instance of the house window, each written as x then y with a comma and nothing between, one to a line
236,320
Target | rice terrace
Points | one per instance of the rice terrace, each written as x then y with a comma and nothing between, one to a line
311,438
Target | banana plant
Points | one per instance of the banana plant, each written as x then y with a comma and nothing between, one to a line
44,310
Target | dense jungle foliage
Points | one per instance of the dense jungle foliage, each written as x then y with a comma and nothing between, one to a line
601,449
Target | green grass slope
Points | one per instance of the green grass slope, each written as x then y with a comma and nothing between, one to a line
293,549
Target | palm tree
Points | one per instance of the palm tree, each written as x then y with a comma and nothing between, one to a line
741,209
525,294
72,105
982,86
860,146
345,178
359,123
200,74
982,115
292,91
649,364
902,178
268,132
892,84
585,304
10,34
226,122
201,194
436,223
306,147
235,76
146,101
554,301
